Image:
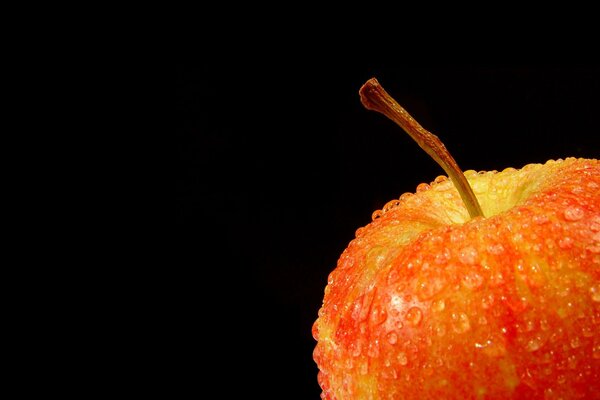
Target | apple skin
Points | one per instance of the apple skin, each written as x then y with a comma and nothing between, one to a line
425,303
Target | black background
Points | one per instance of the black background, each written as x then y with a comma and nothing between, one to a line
279,164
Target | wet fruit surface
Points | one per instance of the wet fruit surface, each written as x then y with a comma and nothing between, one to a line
426,303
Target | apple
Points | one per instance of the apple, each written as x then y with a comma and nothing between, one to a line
479,285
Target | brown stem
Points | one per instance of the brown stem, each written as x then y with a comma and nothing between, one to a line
374,97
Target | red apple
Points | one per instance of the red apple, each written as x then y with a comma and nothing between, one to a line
482,286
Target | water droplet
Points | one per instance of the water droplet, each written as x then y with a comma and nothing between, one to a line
426,289
378,315
392,337
587,331
461,323
472,280
596,351
561,379
468,255
533,344
594,248
405,196
440,330
487,301
495,249
442,257
364,368
373,350
572,362
595,292
565,243
575,342
440,179
573,213
438,305
414,315
497,279
423,187
356,350
457,236
402,359
540,219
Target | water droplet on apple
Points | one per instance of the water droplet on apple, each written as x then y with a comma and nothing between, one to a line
495,249
573,213
468,255
440,179
587,331
356,349
364,368
402,359
595,292
596,351
373,349
426,289
565,243
414,316
540,219
461,323
378,315
575,342
438,305
534,344
561,379
392,337
440,330
457,236
443,256
423,187
472,280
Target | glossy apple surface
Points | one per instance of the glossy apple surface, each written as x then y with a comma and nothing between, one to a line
428,303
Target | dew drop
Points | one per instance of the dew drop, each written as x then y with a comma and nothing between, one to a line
423,187
461,323
440,179
402,359
438,305
468,255
356,350
540,219
533,344
573,213
495,249
565,243
572,362
364,368
440,330
595,292
587,331
472,280
378,315
392,337
373,350
596,351
428,288
561,379
414,316
457,236
575,342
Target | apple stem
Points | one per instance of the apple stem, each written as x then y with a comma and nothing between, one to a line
374,97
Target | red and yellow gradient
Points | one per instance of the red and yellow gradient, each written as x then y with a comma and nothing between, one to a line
428,303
